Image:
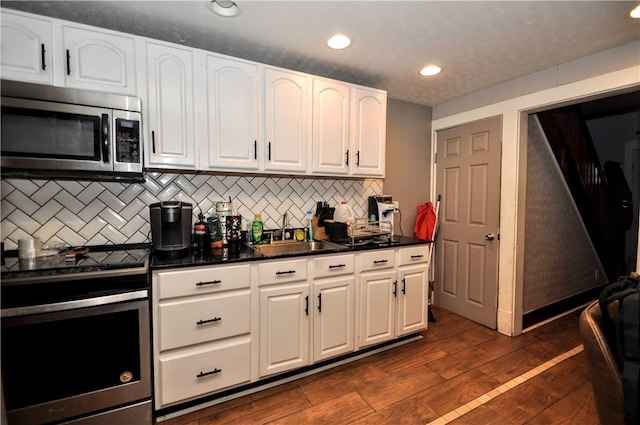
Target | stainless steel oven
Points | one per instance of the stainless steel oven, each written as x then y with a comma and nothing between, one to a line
76,341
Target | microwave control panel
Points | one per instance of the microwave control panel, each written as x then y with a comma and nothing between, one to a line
127,141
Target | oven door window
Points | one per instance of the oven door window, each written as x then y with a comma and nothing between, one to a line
53,356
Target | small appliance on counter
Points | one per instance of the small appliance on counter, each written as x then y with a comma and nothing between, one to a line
381,210
170,226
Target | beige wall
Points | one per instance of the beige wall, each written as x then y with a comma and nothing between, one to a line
408,159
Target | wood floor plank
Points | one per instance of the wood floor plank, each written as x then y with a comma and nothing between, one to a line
481,416
456,392
399,386
523,402
580,405
341,410
261,411
343,382
460,362
409,358
409,411
500,345
510,365
564,377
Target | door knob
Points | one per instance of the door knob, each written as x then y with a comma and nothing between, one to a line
489,236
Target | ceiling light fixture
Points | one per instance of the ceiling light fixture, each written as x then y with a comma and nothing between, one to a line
430,70
339,41
635,13
226,8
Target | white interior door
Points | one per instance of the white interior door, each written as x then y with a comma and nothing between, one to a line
468,177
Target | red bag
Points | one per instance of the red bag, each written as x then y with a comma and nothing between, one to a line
425,222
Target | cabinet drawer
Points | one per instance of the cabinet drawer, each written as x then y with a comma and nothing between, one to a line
334,265
202,281
414,255
377,260
283,272
203,319
205,371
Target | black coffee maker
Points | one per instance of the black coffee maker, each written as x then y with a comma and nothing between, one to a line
170,226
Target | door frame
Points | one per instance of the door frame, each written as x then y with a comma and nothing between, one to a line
514,113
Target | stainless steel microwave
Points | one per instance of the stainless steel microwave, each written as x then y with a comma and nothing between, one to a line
61,132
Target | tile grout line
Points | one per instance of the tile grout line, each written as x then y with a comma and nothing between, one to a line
490,395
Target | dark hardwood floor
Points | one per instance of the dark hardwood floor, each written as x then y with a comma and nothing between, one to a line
459,373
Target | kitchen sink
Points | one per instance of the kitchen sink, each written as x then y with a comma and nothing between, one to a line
288,248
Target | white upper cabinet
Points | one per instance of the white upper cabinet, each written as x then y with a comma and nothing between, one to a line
98,60
243,117
368,132
170,108
287,120
27,46
330,127
50,51
232,115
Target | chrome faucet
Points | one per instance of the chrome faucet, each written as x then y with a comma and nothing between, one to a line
285,223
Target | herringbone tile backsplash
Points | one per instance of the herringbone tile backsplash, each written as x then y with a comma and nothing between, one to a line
79,212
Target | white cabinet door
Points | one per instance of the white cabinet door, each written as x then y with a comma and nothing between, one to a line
412,299
97,60
170,108
287,120
368,132
331,117
232,112
284,328
378,291
27,48
333,323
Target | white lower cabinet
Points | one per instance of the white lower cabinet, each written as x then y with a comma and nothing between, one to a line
202,335
393,300
377,307
413,287
222,326
284,316
334,306
284,328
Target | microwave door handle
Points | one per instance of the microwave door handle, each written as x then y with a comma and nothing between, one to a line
105,138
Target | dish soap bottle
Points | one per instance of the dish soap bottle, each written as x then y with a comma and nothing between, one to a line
256,229
309,217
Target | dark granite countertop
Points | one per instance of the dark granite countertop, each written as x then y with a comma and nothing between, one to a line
222,256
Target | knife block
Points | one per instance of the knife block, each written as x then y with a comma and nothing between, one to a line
318,232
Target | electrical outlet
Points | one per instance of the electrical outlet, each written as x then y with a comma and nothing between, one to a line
395,206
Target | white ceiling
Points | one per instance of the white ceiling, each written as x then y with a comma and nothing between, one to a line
478,44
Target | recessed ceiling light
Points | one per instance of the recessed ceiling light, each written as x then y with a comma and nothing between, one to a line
339,41
430,70
635,13
226,8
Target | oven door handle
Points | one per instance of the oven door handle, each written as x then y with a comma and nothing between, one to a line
70,305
